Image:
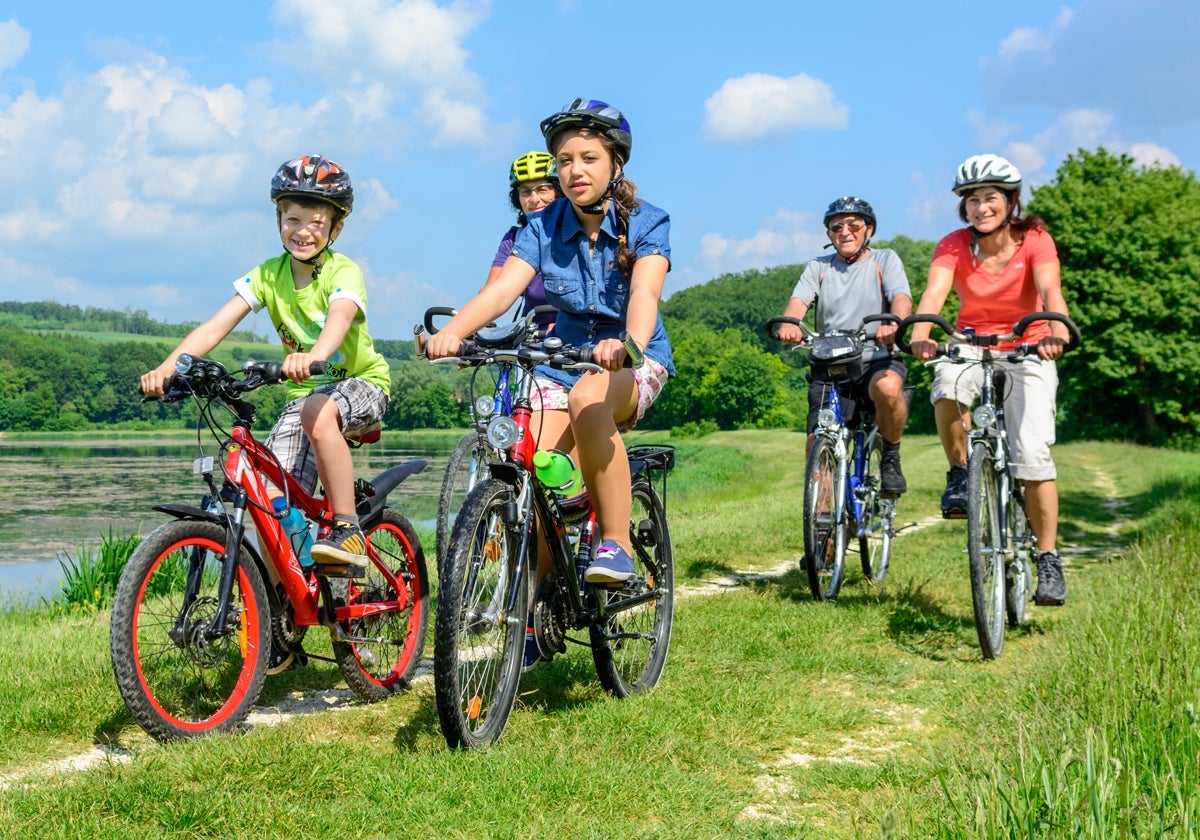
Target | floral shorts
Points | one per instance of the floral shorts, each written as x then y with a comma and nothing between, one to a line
548,395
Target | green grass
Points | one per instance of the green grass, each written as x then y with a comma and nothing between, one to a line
776,717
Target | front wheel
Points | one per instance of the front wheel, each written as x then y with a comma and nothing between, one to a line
824,521
479,635
180,674
877,523
984,550
466,468
629,647
387,613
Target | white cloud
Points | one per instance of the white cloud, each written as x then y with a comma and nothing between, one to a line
14,43
1150,154
757,105
415,45
786,237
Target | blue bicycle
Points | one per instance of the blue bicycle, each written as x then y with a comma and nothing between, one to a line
842,476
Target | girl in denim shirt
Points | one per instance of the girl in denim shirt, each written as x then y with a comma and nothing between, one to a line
604,257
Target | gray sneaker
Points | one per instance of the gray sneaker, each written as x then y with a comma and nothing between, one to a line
1052,586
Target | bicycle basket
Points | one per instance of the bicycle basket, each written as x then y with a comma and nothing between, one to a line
836,358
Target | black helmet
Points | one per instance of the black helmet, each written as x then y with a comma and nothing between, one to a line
313,176
849,204
590,113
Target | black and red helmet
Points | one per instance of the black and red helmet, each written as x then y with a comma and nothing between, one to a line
590,113
314,176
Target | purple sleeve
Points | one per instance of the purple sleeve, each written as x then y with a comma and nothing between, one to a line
506,246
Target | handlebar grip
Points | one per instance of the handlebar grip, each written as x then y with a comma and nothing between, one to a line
920,318
433,312
1033,317
776,320
633,354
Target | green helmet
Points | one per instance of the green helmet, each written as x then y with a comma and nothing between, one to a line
532,166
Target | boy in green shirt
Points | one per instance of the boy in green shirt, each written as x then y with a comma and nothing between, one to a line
317,301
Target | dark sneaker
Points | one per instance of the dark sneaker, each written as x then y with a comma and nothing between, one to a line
610,564
280,661
343,553
1052,586
891,479
954,500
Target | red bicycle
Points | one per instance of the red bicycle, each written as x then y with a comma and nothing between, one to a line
200,602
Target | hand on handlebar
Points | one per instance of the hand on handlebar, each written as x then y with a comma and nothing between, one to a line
442,344
1050,348
297,366
790,334
153,383
924,348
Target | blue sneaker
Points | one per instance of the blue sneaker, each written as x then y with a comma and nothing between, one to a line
610,564
533,654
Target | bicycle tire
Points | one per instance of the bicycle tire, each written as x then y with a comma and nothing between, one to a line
466,467
984,550
630,648
478,645
176,682
875,527
1016,572
395,617
824,534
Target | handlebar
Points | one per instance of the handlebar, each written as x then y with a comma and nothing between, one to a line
195,375
977,340
810,333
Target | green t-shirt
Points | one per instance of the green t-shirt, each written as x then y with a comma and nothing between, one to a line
298,316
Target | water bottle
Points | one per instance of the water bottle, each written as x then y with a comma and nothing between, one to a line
296,526
557,471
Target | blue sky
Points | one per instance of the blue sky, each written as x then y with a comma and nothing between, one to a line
138,140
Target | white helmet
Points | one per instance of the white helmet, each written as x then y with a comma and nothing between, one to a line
978,170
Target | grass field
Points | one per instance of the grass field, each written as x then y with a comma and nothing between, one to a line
777,716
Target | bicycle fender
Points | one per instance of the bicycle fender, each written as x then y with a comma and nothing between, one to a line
190,512
384,483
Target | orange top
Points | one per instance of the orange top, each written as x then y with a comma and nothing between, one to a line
992,303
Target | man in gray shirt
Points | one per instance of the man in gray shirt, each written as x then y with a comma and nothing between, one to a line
847,286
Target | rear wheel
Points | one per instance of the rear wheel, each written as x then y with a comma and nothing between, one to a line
824,522
387,612
875,527
630,647
478,639
984,551
467,467
179,673
1016,573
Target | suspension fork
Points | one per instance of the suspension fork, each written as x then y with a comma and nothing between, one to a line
233,543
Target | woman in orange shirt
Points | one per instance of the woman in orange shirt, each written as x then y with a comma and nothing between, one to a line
1002,266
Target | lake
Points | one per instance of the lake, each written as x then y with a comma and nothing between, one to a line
62,495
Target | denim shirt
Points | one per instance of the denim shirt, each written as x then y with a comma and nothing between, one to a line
588,290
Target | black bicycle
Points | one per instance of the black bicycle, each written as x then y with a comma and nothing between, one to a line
1000,541
491,563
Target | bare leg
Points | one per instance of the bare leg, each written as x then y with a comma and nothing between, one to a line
1041,504
891,411
335,467
952,430
597,401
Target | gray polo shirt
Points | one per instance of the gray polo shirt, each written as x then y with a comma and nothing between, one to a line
846,293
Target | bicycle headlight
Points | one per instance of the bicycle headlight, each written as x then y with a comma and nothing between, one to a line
484,405
503,432
826,418
984,416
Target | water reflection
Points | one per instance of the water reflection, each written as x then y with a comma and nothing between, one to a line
59,496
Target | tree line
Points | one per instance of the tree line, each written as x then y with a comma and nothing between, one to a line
1128,237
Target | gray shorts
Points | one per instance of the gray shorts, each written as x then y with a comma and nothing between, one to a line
1029,408
361,406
